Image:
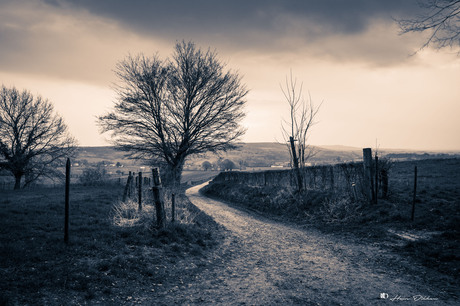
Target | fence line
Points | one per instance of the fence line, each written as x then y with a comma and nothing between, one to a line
346,177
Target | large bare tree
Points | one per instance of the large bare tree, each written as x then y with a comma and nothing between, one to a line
441,17
169,109
33,140
297,130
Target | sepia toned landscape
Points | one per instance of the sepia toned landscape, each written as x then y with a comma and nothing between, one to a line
229,153
116,257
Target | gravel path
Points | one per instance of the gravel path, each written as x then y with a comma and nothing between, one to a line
263,262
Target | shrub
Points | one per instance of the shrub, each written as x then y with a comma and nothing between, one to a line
94,176
338,210
227,165
206,165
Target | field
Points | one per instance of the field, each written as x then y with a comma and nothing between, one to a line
191,177
247,156
117,256
431,239
112,256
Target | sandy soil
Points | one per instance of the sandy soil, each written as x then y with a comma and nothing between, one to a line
263,262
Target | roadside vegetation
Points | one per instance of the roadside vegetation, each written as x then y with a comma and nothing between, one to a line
115,252
432,238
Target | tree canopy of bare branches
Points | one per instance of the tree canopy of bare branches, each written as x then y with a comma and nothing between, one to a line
297,130
169,109
33,140
441,17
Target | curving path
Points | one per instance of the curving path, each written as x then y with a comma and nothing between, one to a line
263,262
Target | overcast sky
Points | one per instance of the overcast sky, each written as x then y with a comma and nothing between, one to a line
348,54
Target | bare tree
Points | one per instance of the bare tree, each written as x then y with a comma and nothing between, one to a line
441,17
168,110
33,140
297,130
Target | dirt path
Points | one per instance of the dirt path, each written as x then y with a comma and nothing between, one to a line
264,262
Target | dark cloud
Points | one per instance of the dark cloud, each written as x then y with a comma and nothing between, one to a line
217,18
82,39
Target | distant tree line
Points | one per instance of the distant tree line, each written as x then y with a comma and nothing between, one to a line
223,165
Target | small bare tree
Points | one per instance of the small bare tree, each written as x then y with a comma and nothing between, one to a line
441,17
296,131
33,140
168,110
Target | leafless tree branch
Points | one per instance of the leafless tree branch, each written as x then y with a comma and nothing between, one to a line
296,131
168,110
33,140
441,17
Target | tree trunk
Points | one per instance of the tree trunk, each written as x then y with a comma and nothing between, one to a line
17,184
174,174
295,161
177,174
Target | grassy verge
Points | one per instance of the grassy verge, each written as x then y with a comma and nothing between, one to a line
432,239
114,252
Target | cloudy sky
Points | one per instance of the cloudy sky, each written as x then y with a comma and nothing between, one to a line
348,54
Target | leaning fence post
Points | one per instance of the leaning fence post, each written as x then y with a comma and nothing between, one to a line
158,199
367,162
415,193
139,197
67,200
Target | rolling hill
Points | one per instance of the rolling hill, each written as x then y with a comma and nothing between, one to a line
256,155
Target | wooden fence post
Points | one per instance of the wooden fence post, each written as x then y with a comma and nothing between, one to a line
384,179
295,161
67,200
331,179
126,192
139,197
158,198
173,207
130,185
367,162
376,194
415,193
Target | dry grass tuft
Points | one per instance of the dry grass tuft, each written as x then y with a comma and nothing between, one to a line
127,214
339,210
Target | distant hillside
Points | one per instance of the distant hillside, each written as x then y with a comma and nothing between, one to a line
94,155
340,148
255,155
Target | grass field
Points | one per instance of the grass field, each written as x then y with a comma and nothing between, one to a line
116,255
198,176
112,255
